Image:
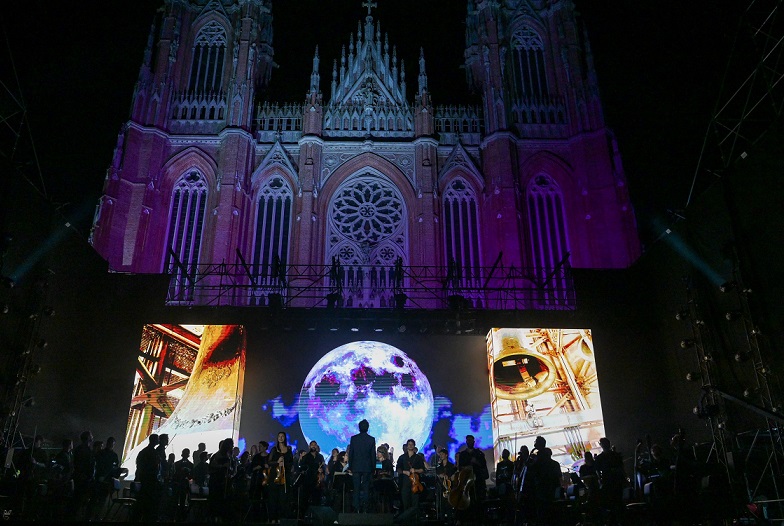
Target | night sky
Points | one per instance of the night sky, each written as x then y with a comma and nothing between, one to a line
659,66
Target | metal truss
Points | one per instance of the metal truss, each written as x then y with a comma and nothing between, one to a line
374,287
751,98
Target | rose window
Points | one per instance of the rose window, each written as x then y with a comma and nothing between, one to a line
369,210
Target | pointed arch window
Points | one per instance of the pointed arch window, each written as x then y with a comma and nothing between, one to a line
209,52
461,232
273,230
528,68
367,241
186,223
548,235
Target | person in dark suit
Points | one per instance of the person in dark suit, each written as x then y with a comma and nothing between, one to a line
362,462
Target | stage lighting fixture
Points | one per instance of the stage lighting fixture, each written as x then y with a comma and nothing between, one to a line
8,282
5,308
49,311
275,300
354,329
708,357
28,401
378,329
42,344
401,328
333,300
6,241
687,343
333,329
692,376
727,286
756,331
742,356
749,392
682,315
400,300
731,315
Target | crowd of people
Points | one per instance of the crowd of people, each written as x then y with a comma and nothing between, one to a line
269,483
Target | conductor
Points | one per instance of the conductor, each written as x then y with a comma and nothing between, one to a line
362,462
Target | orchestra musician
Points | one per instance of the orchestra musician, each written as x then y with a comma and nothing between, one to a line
223,467
383,483
311,463
259,478
280,460
446,472
474,458
410,466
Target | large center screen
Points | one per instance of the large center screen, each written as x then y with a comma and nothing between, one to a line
204,383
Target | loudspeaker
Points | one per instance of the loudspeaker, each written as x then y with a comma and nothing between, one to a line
323,515
364,519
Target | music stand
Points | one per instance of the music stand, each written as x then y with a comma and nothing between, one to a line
342,479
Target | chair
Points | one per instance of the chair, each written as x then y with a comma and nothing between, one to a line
197,502
122,498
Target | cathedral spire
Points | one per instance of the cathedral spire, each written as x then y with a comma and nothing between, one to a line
422,74
314,76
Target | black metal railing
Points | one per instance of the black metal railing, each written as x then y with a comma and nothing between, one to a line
375,286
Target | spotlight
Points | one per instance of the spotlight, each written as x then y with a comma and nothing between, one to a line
748,392
8,282
42,344
401,328
378,329
728,286
692,376
333,329
731,315
400,300
354,329
28,402
49,311
6,241
756,331
682,315
687,343
707,358
742,356
5,308
333,300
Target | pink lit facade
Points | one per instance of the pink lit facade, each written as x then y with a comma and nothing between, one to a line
368,172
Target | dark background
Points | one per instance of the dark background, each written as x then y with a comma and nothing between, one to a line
660,68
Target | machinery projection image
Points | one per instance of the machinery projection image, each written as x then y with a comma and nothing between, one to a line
543,382
188,384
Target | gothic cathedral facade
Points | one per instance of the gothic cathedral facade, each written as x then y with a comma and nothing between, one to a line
367,187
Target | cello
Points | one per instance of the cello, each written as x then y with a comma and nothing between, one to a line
459,494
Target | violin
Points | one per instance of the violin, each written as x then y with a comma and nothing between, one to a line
459,495
280,478
416,484
447,482
266,476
